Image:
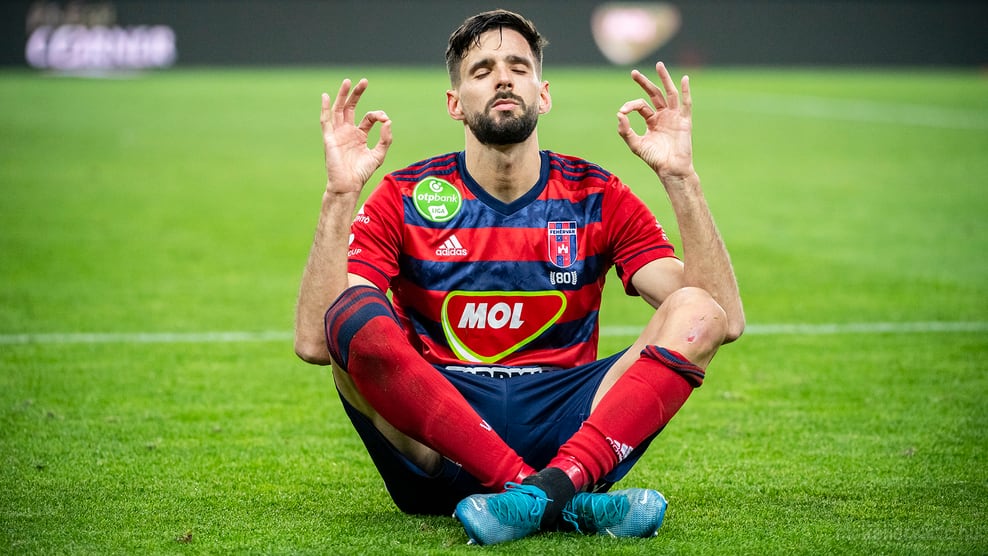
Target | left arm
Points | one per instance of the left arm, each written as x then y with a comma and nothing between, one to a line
667,148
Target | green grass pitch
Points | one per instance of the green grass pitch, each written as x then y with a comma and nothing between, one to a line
153,231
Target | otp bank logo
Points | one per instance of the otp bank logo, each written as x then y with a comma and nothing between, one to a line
485,327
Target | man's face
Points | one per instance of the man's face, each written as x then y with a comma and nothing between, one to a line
500,95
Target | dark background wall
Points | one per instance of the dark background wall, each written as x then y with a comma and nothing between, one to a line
756,32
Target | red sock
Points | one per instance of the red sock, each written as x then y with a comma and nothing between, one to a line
368,342
639,404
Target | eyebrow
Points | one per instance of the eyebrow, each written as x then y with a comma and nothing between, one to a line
490,61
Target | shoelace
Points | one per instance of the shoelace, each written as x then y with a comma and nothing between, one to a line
596,511
513,506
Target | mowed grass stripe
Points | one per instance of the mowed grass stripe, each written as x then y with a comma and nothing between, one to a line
854,110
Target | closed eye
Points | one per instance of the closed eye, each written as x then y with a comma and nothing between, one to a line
520,64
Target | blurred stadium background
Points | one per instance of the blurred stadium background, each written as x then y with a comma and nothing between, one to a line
121,34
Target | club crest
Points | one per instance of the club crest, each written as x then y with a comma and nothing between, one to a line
562,243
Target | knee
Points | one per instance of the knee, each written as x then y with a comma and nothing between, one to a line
699,319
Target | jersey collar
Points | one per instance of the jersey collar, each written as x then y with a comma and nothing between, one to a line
498,205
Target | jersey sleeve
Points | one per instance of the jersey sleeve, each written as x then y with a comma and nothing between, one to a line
375,236
636,237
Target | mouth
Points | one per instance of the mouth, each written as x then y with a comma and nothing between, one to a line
504,103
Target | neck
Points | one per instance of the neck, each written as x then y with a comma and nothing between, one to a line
506,172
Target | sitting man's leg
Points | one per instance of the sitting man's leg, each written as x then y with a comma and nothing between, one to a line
383,378
639,395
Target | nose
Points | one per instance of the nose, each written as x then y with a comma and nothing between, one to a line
505,80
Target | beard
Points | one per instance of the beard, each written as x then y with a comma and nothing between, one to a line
503,128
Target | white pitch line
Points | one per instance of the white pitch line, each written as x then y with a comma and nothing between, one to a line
145,337
922,327
833,328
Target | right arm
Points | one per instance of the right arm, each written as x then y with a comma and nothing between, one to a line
349,165
667,147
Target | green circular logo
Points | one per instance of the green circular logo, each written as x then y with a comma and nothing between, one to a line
437,200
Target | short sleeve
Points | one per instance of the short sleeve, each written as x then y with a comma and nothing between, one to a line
375,236
635,235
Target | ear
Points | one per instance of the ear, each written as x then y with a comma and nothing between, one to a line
545,99
453,105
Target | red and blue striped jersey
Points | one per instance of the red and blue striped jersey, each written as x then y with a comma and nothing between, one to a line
478,281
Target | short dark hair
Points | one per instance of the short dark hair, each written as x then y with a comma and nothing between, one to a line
468,35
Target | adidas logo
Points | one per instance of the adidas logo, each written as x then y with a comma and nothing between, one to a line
451,248
621,449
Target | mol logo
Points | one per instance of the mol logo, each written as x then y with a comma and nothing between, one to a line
485,327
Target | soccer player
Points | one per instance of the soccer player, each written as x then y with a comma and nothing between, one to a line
476,387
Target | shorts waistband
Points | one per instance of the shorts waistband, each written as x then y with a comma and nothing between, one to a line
499,372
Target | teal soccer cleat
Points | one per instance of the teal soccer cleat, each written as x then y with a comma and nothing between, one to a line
633,512
507,516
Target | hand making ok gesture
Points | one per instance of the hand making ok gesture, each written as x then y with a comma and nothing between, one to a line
666,145
350,163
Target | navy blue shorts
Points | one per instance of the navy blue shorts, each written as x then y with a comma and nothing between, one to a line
534,414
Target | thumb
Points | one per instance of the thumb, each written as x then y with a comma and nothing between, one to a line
626,132
384,141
